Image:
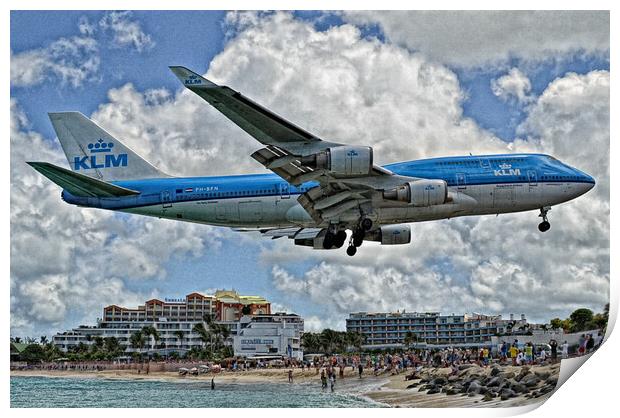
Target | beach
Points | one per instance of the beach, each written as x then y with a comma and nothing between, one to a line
483,385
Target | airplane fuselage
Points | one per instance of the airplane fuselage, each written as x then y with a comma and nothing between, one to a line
478,185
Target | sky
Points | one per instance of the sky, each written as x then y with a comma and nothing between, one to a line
410,84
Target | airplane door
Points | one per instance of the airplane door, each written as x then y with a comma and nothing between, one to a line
166,199
533,189
532,178
461,181
285,191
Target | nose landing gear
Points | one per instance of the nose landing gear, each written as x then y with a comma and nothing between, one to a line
544,225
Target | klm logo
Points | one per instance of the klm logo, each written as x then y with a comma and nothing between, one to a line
507,170
352,153
101,157
192,80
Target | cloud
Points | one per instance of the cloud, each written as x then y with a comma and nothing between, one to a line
478,38
72,60
75,60
514,85
347,88
62,255
126,31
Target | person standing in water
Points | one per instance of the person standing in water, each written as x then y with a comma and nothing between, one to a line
323,380
212,383
332,380
290,376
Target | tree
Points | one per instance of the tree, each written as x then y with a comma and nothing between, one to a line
43,339
310,342
580,319
151,331
556,323
33,353
113,347
137,341
202,332
180,335
410,338
328,340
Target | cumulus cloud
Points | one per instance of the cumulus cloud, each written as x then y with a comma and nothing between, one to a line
75,60
61,255
476,38
126,31
514,85
491,264
71,60
347,88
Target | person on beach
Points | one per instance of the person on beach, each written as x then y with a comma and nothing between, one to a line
582,345
332,380
590,343
323,380
212,383
360,370
290,376
565,350
554,350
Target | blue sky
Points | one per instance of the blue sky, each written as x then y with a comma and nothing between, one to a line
193,39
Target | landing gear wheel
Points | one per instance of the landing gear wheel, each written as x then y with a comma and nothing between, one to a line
351,250
358,238
366,224
544,226
328,240
340,238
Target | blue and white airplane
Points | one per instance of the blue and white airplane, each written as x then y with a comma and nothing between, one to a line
319,189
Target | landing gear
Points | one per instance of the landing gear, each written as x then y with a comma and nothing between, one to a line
544,225
357,238
366,224
331,239
340,238
351,250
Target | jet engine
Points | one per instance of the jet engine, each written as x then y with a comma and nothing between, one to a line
420,193
342,161
390,235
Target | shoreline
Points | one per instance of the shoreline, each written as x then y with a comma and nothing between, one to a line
386,390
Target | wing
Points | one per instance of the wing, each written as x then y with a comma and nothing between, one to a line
289,151
302,236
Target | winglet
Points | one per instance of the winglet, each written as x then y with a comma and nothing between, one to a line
190,79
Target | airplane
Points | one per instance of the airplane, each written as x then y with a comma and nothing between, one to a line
317,191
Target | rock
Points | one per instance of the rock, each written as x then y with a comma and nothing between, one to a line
552,380
543,375
474,387
411,386
508,375
488,397
496,381
530,381
495,371
453,378
507,394
519,388
452,391
434,389
465,366
441,380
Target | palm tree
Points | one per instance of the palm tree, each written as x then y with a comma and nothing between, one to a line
150,331
310,342
180,335
205,336
43,339
137,341
328,339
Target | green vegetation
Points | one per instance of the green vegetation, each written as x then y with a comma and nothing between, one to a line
583,319
329,341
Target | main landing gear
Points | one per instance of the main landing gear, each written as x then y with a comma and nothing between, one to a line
357,238
334,239
544,225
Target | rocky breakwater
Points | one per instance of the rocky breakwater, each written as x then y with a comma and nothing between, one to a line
492,384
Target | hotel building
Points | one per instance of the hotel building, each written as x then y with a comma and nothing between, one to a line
388,330
269,336
174,320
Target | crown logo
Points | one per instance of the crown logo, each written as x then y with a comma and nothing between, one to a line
100,146
505,166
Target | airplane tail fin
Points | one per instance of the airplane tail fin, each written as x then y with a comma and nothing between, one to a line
93,152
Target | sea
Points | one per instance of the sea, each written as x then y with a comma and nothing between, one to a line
65,392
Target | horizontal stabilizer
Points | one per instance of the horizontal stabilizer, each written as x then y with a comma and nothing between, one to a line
80,184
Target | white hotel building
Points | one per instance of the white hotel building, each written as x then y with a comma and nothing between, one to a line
174,320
